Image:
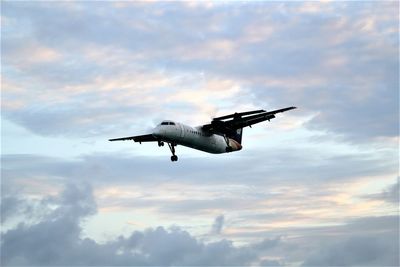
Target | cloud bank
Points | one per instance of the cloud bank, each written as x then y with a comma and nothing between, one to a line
59,236
61,242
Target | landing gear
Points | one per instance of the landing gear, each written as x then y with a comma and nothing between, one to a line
160,143
172,148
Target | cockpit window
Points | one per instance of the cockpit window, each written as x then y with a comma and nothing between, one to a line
167,123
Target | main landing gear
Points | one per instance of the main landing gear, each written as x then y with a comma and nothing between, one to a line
172,148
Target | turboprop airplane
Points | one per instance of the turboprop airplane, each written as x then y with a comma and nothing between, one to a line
221,135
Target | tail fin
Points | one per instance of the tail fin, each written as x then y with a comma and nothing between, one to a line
238,135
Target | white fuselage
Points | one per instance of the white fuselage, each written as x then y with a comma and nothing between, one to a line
196,138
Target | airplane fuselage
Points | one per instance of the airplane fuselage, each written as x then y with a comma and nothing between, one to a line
194,137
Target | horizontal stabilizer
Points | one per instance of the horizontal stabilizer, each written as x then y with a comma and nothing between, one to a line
236,115
280,110
230,123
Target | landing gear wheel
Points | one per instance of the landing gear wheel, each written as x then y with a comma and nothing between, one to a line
160,143
172,148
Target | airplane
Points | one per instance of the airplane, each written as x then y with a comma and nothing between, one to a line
221,135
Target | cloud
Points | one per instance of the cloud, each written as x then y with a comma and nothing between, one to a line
365,251
157,246
364,247
61,226
217,225
271,263
16,54
281,164
9,207
366,241
392,193
389,194
122,171
259,202
342,69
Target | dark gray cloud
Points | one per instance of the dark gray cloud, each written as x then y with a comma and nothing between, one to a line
9,207
390,194
360,251
59,236
61,226
373,242
365,241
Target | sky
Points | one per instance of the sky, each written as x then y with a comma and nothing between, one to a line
316,186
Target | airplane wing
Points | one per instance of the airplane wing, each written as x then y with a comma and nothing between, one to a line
138,138
232,122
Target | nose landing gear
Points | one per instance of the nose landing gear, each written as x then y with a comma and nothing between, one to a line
172,148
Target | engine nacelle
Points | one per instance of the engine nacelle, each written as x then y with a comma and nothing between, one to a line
233,145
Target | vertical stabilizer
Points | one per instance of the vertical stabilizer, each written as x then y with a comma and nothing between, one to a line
238,135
